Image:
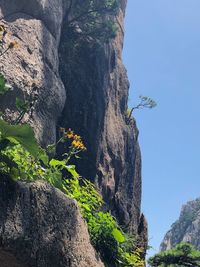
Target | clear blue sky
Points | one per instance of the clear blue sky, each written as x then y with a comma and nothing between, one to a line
162,56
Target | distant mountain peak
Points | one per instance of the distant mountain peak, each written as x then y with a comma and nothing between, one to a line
186,228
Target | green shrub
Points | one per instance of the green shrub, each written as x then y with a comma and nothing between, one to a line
184,254
92,19
23,159
22,151
114,246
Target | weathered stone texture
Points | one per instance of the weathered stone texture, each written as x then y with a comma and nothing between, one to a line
36,26
88,94
97,93
186,228
41,227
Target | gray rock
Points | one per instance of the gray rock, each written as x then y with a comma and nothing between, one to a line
96,104
93,90
36,26
186,228
41,227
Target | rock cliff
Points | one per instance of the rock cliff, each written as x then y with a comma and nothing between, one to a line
97,92
186,228
40,226
86,92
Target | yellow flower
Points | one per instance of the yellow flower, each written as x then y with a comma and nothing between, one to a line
78,144
77,137
75,144
69,134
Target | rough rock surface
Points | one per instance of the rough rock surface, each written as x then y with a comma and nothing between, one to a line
36,26
96,102
41,227
186,228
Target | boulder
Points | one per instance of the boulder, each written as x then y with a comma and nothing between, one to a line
41,227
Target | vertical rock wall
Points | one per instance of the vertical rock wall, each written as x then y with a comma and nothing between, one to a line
97,92
87,93
36,26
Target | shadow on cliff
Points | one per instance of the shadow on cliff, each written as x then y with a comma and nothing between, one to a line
10,195
83,70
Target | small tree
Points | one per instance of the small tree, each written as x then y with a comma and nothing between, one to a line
145,102
184,254
92,18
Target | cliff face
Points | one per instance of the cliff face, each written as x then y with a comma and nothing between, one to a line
41,227
36,26
97,90
86,91
186,228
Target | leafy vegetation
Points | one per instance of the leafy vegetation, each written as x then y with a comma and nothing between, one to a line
89,25
110,241
145,102
184,254
4,87
21,158
92,18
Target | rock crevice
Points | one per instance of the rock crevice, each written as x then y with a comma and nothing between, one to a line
86,91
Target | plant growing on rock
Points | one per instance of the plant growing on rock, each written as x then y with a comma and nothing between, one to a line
184,254
21,158
4,48
4,44
145,102
92,18
115,247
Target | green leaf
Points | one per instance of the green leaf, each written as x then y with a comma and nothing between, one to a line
55,163
119,237
4,87
86,207
51,148
24,135
21,105
8,161
71,169
43,156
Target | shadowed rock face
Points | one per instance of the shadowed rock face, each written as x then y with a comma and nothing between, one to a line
97,92
87,93
8,260
41,227
186,228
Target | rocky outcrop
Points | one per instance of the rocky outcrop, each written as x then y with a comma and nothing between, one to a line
36,26
87,93
97,93
186,228
41,227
